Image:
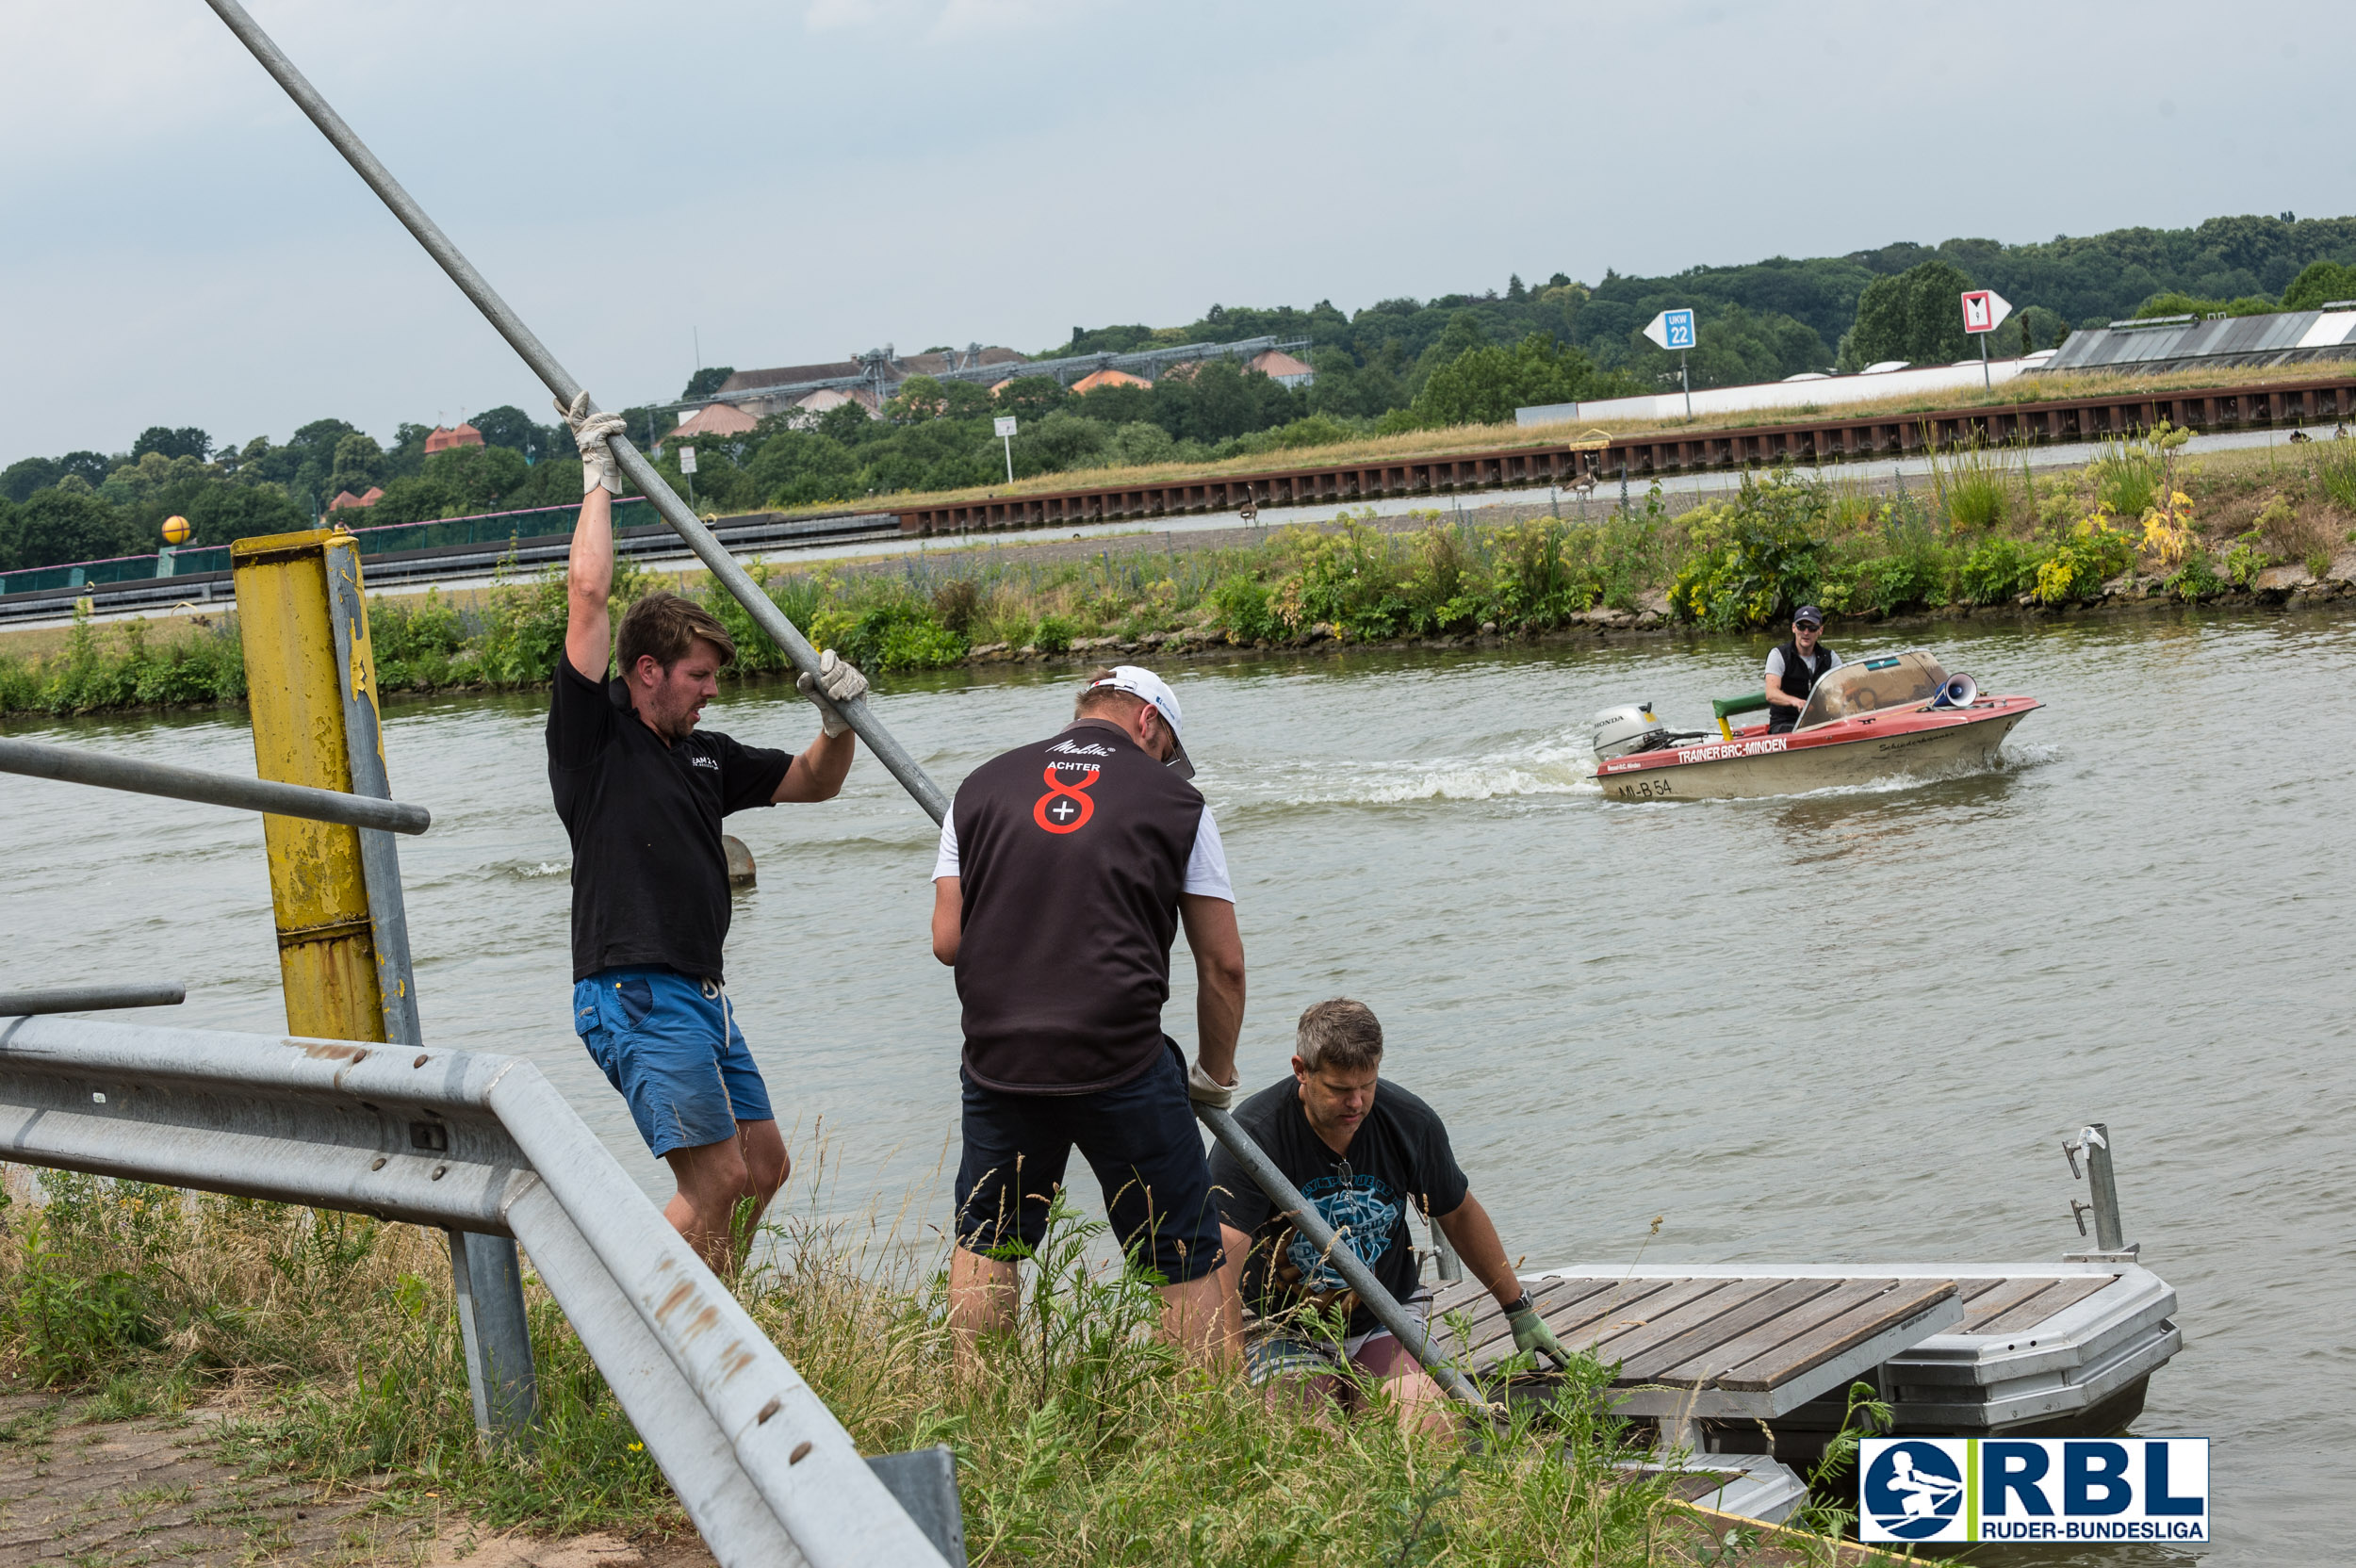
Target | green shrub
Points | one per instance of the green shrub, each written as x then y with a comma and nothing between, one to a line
1352,577
1053,634
1759,559
2246,559
1537,585
416,640
1242,603
2195,579
2090,555
1998,571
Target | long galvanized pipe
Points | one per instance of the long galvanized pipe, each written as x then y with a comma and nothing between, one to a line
72,765
724,566
87,999
559,381
1317,1234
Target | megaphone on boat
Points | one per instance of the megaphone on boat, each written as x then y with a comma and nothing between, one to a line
1959,691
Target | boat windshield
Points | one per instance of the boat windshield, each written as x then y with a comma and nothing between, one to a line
1869,685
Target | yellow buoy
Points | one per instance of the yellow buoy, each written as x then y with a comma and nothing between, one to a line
175,531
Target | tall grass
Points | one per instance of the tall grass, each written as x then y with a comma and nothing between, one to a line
1084,1442
2335,474
1973,486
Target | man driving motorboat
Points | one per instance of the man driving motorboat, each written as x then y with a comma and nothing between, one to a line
1793,669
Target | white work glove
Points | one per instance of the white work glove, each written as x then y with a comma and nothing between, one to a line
590,432
838,680
1204,1090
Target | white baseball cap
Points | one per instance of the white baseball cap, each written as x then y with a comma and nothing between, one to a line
1152,687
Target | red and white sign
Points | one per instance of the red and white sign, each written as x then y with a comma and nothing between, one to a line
1984,310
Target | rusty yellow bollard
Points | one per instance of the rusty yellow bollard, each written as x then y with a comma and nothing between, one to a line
343,933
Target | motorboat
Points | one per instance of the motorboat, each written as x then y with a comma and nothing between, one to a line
1896,715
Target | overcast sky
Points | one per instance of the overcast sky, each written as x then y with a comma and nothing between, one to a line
803,180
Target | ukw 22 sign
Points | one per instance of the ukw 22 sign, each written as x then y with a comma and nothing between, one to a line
2087,1489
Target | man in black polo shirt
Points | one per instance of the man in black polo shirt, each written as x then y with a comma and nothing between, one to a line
1364,1160
1066,867
642,793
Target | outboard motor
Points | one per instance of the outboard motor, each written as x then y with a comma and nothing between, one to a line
1624,731
1961,690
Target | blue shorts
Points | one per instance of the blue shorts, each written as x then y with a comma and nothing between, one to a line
669,1042
1140,1139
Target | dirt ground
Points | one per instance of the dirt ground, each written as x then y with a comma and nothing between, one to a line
167,1488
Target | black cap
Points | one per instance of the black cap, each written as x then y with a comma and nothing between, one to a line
1808,614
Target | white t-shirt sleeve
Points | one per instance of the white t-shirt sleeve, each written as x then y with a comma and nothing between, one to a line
1206,867
945,863
1836,660
1774,663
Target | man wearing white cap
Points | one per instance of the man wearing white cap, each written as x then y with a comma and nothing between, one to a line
1066,867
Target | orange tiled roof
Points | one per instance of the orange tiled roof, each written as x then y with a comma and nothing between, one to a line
1107,377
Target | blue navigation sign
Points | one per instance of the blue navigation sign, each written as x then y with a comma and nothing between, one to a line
1672,329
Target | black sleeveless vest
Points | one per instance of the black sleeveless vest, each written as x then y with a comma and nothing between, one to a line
1071,852
1799,679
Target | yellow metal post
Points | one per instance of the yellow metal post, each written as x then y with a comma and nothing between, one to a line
343,934
326,940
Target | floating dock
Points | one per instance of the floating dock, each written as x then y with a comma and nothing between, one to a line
1758,1359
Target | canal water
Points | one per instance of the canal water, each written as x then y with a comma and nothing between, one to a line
1847,1026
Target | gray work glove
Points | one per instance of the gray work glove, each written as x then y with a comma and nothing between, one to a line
838,680
1204,1090
590,432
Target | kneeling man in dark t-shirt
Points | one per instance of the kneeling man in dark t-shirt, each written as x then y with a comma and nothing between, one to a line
1362,1158
641,792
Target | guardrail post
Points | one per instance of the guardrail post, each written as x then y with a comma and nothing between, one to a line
343,931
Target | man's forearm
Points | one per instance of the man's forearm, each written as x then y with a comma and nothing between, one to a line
1219,1023
589,567
589,587
1474,1236
818,773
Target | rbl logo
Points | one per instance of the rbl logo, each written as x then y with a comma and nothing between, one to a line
1065,807
2034,1489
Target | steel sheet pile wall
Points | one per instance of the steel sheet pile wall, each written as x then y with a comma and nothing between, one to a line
1823,439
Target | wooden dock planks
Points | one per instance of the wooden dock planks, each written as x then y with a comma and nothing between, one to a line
1753,1342
2009,1306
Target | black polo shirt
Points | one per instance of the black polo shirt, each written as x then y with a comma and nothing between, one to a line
650,877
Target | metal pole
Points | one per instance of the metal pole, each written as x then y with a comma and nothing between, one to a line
487,1274
1321,1235
2109,1234
1686,381
495,1333
559,381
1009,441
87,999
68,764
1985,379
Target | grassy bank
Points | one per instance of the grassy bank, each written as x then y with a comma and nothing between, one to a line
2141,522
333,1340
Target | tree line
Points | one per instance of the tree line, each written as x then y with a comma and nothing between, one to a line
1397,365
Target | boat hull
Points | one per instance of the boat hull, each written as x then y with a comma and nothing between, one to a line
1849,752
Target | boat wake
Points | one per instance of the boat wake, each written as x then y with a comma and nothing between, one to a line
1550,769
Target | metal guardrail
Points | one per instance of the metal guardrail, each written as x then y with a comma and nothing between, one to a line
481,1144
